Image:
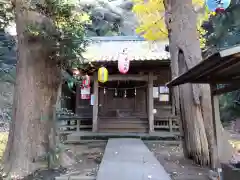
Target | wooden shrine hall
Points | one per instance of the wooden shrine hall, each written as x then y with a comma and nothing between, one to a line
135,102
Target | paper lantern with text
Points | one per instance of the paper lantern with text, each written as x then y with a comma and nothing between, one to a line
123,63
102,75
218,5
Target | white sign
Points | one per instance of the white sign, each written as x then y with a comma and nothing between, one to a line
85,93
92,99
155,92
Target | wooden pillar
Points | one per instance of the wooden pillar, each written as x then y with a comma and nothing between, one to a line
170,124
216,124
95,105
78,125
150,103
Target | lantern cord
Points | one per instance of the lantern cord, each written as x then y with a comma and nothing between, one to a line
137,87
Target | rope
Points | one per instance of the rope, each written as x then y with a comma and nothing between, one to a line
137,87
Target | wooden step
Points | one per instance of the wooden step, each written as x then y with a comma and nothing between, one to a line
122,126
125,130
122,122
122,119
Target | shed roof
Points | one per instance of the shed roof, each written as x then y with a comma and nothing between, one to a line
222,68
102,49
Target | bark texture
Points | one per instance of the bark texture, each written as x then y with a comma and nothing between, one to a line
193,102
32,129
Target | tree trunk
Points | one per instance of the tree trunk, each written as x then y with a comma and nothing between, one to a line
31,135
193,102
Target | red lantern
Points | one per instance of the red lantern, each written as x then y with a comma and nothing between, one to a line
123,63
220,10
86,81
85,88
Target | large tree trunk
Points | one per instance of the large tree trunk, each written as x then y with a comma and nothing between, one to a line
193,102
31,135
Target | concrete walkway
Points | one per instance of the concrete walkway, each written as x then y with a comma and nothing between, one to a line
130,159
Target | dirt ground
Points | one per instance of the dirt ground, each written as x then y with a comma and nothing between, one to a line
171,157
88,157
85,159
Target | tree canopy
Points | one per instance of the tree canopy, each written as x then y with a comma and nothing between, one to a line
66,35
223,29
151,15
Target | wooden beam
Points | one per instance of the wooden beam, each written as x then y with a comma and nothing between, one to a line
127,77
217,80
217,67
150,103
95,105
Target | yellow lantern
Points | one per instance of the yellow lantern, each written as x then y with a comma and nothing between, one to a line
102,75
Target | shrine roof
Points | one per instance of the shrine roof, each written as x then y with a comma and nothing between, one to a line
102,49
221,68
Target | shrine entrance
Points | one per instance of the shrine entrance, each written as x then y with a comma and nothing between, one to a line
123,106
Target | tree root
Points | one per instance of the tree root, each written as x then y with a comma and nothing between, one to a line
199,158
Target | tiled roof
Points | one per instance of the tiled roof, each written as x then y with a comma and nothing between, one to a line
108,49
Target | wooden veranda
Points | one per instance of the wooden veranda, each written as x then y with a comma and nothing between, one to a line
222,71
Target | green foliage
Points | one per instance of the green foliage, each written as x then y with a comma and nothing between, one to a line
6,13
66,34
230,106
223,29
63,31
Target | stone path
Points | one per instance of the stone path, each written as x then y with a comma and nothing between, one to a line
130,159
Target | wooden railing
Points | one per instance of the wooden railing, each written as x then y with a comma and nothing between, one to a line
169,123
73,124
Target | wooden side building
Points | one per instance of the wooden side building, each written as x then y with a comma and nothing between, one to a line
136,102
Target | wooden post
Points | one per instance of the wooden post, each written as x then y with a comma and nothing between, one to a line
150,103
95,105
78,125
216,120
170,121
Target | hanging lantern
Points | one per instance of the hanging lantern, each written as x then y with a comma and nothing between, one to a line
86,81
102,75
217,5
123,63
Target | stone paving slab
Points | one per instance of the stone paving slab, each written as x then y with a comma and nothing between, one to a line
130,159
